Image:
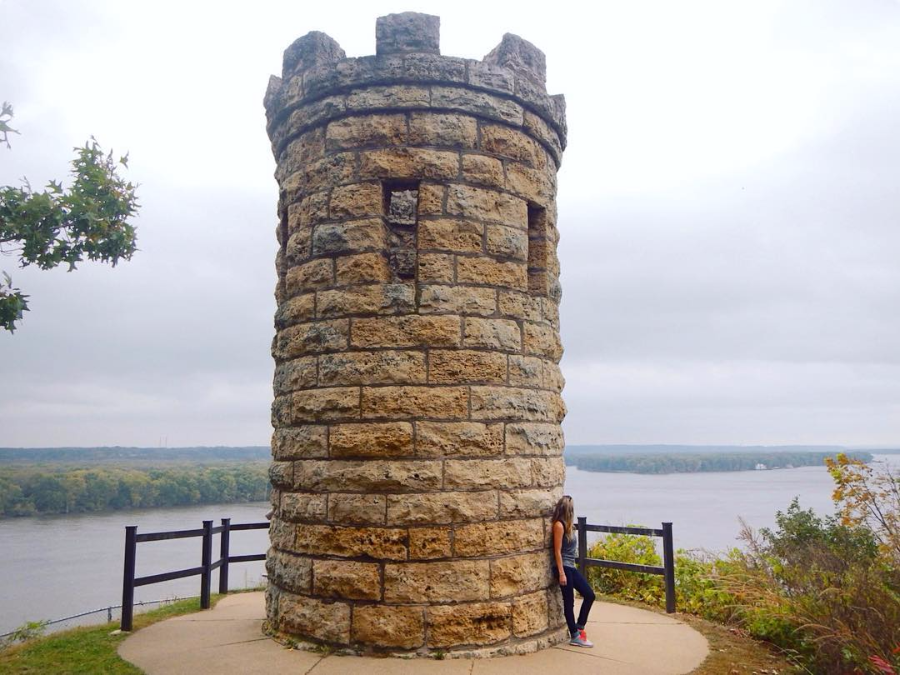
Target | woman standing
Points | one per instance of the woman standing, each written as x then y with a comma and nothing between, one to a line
565,545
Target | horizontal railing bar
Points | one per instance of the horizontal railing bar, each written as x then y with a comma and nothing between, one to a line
216,565
175,534
614,529
628,567
216,530
167,576
246,558
250,526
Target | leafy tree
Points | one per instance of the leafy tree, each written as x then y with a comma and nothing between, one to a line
89,220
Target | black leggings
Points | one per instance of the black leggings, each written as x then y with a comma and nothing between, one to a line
576,582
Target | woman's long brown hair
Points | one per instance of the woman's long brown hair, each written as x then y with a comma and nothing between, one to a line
564,512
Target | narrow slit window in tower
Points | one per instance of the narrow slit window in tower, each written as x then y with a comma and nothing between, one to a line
538,280
400,207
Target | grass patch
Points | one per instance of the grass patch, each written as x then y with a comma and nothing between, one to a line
88,650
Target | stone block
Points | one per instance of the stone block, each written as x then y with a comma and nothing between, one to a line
296,310
303,507
484,170
406,331
498,538
349,237
415,402
289,572
312,49
366,130
371,439
528,503
499,334
300,442
281,474
457,300
371,299
458,439
529,614
455,581
306,149
497,403
429,543
314,405
521,57
431,199
466,367
381,367
518,574
362,269
356,509
541,340
507,242
318,619
311,338
445,69
434,268
548,471
310,276
357,200
512,144
441,508
535,185
347,580
491,272
282,534
387,97
407,32
519,305
367,475
525,438
456,236
297,374
389,626
310,211
553,377
479,474
487,205
454,131
478,103
526,371
408,163
476,624
375,543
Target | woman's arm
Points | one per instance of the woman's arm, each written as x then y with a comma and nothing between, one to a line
557,551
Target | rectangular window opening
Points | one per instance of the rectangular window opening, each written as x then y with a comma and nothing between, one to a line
401,201
538,277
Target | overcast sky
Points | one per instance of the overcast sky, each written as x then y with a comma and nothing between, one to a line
729,209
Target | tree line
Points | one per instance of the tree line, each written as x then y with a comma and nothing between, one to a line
695,463
37,490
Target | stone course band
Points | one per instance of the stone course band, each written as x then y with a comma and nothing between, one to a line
417,449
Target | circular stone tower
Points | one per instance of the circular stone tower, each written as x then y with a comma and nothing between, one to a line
417,445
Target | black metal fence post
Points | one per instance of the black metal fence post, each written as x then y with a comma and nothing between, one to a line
669,566
582,544
128,578
206,564
223,555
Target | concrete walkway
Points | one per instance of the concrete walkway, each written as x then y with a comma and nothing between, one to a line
228,639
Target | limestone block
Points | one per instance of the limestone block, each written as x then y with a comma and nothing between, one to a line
512,144
314,405
456,581
465,367
519,305
500,334
431,199
290,572
407,32
496,403
529,614
349,237
406,331
311,338
462,439
484,204
347,580
296,310
475,474
478,623
488,271
487,171
553,377
525,438
305,117
528,503
304,150
367,475
521,57
429,543
322,620
541,340
370,439
281,474
386,626
298,248
526,371
539,129
548,471
366,130
477,103
415,402
297,374
434,268
445,69
310,276
375,543
518,574
535,185
455,131
357,200
555,616
356,509
490,76
371,299
382,367
312,49
498,538
300,442
441,508
456,236
336,169
410,163
303,507
362,269
507,242
282,534
393,96
310,211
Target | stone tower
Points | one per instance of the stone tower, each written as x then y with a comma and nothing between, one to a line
417,445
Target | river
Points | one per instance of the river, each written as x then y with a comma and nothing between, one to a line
56,566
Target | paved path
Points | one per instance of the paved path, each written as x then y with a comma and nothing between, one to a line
227,639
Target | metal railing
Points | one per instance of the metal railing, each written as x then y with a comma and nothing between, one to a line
205,570
667,570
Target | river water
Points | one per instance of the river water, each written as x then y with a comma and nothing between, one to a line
51,567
